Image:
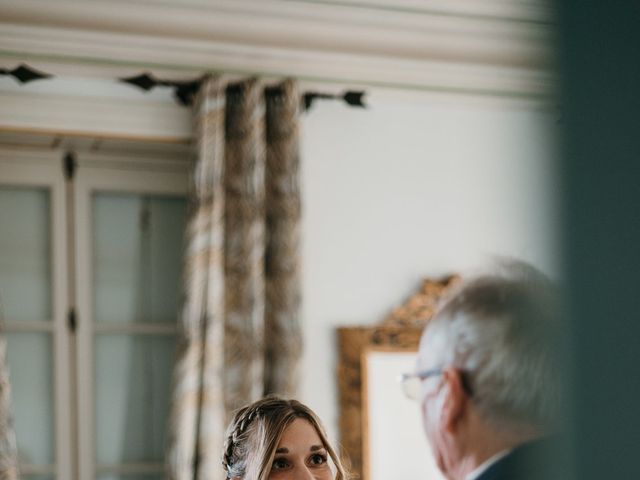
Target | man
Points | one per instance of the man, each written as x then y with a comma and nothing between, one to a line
487,378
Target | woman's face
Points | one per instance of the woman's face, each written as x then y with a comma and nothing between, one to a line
300,454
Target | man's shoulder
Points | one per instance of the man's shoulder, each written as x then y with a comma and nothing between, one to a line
536,460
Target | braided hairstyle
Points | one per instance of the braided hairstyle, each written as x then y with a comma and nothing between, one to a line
255,431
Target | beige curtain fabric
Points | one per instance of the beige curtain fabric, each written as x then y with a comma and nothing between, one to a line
197,410
8,449
283,334
244,244
240,333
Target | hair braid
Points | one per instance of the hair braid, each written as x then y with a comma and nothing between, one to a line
234,458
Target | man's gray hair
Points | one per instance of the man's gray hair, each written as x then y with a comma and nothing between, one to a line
501,331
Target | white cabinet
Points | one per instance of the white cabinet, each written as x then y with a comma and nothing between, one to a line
90,271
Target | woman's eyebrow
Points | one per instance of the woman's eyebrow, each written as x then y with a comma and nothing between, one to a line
282,450
315,448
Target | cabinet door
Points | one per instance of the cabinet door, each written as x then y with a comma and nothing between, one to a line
32,311
131,247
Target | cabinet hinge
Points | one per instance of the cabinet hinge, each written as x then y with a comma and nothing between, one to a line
72,320
69,165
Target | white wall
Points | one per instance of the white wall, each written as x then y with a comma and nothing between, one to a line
414,186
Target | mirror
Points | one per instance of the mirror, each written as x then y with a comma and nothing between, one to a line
378,424
394,426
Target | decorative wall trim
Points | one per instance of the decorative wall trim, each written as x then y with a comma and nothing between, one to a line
111,118
498,49
36,158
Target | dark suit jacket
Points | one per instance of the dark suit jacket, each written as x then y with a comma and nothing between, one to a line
537,460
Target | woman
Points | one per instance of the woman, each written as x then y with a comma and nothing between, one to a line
277,439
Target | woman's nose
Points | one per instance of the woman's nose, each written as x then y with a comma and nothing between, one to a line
304,473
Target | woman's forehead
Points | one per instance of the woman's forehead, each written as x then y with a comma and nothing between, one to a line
299,433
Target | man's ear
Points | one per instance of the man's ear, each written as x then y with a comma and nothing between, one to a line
454,400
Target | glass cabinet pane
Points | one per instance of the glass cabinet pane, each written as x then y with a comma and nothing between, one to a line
29,361
137,264
25,249
137,257
133,382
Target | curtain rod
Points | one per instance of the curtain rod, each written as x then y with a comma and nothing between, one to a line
184,90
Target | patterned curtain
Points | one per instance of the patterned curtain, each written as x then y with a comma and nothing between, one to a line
8,449
240,332
283,334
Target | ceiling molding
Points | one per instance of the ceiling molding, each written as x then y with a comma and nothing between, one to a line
528,10
501,48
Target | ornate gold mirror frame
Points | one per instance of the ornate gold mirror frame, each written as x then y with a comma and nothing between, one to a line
399,332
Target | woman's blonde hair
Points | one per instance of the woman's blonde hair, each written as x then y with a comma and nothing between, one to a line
255,431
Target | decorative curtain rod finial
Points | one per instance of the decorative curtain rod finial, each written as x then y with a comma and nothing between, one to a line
25,74
184,90
350,97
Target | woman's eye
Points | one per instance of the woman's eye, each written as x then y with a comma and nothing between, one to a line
318,459
279,464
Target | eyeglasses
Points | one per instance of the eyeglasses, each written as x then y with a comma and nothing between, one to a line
412,382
